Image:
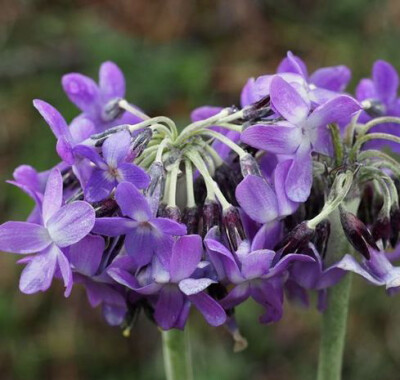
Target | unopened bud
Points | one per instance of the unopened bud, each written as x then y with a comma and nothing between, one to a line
211,216
190,218
357,233
172,212
297,238
140,142
394,226
228,178
112,110
155,190
233,227
258,110
373,107
381,229
249,166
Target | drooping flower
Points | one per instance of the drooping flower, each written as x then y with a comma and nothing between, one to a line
255,273
112,168
176,285
145,235
300,134
377,270
62,227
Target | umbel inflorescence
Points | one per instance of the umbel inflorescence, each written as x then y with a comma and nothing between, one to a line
240,203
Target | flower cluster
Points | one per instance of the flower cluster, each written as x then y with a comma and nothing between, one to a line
262,201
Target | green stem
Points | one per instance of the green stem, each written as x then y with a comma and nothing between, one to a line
176,352
334,331
334,320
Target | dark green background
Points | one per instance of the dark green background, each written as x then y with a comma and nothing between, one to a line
176,54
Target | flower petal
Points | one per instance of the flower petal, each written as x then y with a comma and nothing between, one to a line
292,64
116,148
99,186
204,112
169,307
212,311
236,296
53,195
287,101
386,81
257,199
334,78
248,96
140,245
91,154
86,255
23,237
71,223
257,263
111,81
299,178
82,91
113,226
169,226
53,118
190,286
366,90
132,202
338,108
186,255
66,272
281,138
38,274
133,174
286,205
349,263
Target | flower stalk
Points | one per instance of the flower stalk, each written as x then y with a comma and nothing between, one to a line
176,353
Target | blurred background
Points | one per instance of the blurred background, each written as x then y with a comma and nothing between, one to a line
176,55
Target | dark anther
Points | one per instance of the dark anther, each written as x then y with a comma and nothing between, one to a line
374,108
172,212
140,142
106,207
394,226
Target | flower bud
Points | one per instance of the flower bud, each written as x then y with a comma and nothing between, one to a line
112,110
140,142
357,233
228,178
321,238
297,238
381,229
155,190
99,138
191,218
211,216
233,227
249,166
258,110
373,107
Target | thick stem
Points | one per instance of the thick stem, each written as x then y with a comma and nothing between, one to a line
177,356
334,331
334,320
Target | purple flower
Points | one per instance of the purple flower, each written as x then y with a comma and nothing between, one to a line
92,99
312,276
377,270
145,235
255,273
112,168
300,134
62,227
176,285
379,98
67,137
85,258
